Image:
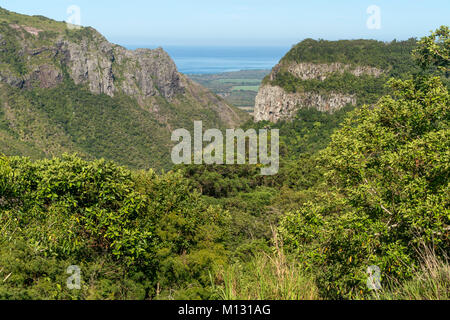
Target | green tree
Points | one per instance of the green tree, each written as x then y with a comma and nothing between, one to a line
434,50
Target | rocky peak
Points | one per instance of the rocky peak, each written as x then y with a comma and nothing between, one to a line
108,68
328,75
39,52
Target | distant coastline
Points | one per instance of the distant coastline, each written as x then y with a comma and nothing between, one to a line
211,60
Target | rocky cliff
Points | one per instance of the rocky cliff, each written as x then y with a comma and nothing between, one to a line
110,69
273,103
329,75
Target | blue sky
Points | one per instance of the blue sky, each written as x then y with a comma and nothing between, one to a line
243,22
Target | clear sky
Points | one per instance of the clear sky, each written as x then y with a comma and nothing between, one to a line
244,22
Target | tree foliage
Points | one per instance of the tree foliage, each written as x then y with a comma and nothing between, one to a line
434,50
150,228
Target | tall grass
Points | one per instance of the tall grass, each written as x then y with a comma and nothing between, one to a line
431,280
271,276
276,276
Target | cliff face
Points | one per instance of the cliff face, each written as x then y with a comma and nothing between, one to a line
109,69
273,103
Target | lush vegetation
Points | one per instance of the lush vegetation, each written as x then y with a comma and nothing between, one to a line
388,177
393,56
127,134
40,22
358,188
135,235
377,195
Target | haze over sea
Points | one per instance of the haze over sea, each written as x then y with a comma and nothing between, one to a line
204,60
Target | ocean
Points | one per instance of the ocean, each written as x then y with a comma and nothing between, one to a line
209,60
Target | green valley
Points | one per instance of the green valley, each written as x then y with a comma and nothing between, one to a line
238,88
87,182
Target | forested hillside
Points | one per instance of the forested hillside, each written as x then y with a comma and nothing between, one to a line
70,90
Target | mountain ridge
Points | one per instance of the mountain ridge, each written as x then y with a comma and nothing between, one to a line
330,75
43,61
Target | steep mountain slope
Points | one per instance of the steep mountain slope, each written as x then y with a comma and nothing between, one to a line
70,90
329,75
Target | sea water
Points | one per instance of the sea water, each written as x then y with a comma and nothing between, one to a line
204,60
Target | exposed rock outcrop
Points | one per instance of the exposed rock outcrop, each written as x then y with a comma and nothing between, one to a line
274,104
10,78
44,76
308,71
109,68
